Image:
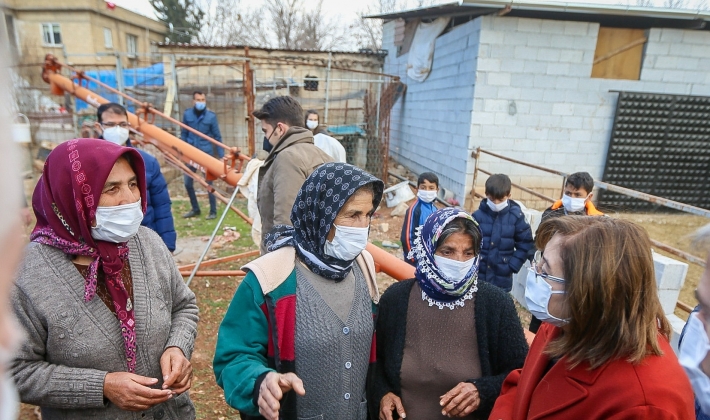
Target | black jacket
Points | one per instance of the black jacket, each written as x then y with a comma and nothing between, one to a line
501,343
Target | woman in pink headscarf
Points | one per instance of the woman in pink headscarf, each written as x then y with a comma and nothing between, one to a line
111,324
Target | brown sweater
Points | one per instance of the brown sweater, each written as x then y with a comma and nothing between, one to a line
434,360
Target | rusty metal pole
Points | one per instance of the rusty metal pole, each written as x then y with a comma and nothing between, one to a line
249,99
477,157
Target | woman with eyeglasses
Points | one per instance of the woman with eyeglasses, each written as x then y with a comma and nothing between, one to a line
603,349
445,341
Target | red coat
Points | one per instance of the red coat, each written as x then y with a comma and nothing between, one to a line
655,389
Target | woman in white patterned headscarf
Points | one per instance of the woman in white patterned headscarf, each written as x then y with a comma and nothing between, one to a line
445,341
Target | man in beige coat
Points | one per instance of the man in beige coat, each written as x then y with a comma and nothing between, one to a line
292,158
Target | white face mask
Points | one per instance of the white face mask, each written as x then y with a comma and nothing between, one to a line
311,124
117,135
496,207
454,270
537,297
117,224
347,243
693,350
573,205
427,196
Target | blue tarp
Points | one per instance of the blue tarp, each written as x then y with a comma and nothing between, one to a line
132,77
344,130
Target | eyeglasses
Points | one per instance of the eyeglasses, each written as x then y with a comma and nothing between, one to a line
124,124
537,260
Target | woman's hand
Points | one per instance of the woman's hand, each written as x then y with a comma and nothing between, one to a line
460,401
177,370
390,403
132,392
273,388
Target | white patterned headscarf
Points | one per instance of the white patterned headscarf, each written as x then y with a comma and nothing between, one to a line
436,287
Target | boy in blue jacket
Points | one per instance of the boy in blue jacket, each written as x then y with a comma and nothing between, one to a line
428,188
507,237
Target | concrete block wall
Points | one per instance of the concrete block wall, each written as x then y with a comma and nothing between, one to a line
430,125
534,99
670,277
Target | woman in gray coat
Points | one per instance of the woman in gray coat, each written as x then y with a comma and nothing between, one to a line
111,326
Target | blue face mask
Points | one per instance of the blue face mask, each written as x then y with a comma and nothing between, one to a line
200,106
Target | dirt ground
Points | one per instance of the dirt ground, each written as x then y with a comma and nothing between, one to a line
215,293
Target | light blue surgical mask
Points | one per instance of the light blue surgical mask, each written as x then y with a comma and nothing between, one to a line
200,106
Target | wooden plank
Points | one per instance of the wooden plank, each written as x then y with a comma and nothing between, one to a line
609,62
620,50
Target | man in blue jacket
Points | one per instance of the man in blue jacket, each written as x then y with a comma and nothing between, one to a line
205,121
112,123
507,237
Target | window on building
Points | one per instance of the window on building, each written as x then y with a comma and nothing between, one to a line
619,53
108,38
12,35
132,45
51,35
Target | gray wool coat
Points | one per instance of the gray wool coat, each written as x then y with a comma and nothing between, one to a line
71,344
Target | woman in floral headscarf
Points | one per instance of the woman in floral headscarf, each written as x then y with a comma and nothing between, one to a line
445,342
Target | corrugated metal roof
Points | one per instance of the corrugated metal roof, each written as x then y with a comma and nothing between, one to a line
608,15
367,52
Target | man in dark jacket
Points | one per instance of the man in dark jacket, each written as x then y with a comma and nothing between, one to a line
507,237
112,123
205,121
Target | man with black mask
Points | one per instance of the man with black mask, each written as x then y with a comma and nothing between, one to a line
292,158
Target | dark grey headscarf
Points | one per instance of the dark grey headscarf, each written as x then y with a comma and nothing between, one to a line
319,200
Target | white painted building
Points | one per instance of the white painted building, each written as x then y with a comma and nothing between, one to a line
518,81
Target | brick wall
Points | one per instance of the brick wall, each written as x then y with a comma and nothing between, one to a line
430,126
535,99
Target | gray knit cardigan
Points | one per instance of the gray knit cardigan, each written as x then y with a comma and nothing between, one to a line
72,344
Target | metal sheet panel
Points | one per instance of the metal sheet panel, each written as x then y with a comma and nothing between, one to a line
660,145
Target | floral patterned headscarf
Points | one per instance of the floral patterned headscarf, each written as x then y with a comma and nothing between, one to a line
437,288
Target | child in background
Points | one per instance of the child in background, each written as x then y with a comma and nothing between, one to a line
507,237
417,213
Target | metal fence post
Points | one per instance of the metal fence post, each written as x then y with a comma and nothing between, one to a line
327,87
176,99
476,156
119,78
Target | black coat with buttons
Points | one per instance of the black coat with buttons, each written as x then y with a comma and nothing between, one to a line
507,239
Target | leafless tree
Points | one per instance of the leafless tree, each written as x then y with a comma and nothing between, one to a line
368,33
277,24
231,23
